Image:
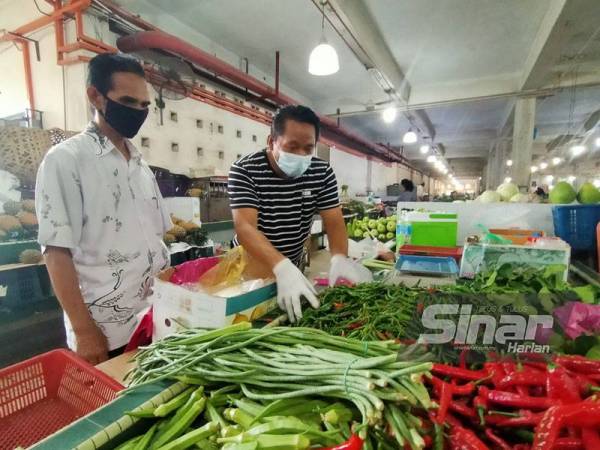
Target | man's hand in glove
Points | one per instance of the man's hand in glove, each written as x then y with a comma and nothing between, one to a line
292,285
344,267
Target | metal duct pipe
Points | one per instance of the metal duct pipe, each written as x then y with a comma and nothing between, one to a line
154,39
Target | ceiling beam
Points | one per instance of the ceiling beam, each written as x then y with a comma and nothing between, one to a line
356,25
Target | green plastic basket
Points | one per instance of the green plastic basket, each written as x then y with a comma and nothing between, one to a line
438,234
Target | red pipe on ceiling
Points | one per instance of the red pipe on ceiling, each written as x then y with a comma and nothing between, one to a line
155,39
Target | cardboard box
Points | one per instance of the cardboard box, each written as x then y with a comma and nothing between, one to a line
175,307
485,257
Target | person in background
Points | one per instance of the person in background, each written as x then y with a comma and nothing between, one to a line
274,194
408,192
420,191
101,215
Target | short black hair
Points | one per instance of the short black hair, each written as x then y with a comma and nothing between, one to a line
408,185
298,113
102,67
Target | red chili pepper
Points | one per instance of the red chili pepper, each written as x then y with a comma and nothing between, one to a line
462,439
481,405
354,325
522,447
583,414
456,372
515,400
496,371
590,438
462,389
523,378
462,358
354,443
444,403
526,419
428,440
578,364
463,409
568,443
560,386
497,440
338,306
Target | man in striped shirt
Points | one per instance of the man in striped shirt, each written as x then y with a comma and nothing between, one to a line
274,195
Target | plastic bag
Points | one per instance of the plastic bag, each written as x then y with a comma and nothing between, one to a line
190,272
234,268
491,238
578,318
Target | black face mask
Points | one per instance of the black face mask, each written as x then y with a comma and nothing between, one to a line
126,120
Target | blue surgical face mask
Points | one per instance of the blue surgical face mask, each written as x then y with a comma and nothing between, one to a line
293,165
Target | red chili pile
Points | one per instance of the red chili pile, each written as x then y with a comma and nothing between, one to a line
529,405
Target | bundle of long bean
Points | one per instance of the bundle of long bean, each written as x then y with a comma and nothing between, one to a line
280,363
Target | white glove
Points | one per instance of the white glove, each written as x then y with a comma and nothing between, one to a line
292,285
344,267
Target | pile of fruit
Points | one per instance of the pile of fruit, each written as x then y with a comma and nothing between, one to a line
184,231
564,193
18,221
383,229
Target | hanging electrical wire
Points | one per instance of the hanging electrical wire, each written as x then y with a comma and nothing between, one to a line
40,9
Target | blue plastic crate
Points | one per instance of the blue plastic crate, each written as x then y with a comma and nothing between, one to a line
427,265
576,224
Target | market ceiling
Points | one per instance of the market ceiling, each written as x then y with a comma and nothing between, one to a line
457,64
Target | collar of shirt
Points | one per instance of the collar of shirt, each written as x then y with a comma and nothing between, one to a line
106,146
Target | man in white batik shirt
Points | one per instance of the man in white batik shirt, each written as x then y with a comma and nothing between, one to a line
101,215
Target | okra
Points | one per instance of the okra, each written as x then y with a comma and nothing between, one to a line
282,442
144,443
238,416
176,428
231,430
176,402
243,446
189,439
249,407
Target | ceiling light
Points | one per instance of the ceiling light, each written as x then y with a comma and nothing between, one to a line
507,179
571,178
543,165
577,150
596,183
509,162
410,137
389,114
549,178
556,161
534,169
424,149
431,159
323,59
597,142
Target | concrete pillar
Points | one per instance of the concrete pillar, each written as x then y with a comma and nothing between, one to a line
522,149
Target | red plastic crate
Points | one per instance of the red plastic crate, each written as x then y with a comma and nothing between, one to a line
47,392
427,250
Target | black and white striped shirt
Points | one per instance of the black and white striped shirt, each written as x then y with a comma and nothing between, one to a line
285,206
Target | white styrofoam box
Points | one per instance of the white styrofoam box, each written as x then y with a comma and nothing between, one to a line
531,216
185,208
175,307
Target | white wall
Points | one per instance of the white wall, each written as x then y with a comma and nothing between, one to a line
189,138
60,94
349,169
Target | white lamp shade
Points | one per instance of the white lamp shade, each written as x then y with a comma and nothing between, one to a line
323,60
410,137
389,114
424,149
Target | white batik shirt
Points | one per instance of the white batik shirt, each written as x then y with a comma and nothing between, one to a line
110,214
